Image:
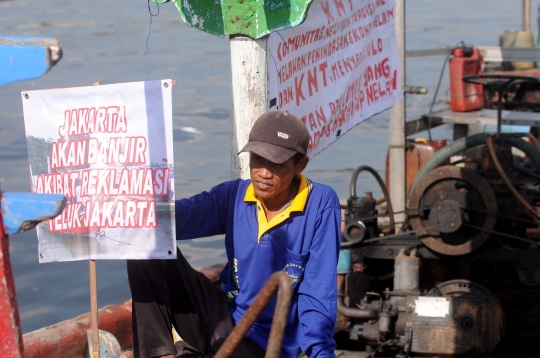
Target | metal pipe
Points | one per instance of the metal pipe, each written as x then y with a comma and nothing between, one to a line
356,312
526,22
280,282
406,271
381,185
396,150
69,339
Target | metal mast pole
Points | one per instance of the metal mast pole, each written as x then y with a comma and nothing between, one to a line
397,127
526,22
249,95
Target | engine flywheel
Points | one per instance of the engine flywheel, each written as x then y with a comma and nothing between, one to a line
454,206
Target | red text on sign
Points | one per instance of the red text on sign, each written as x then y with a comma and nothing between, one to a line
83,121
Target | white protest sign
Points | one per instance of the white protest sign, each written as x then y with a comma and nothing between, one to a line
337,69
108,149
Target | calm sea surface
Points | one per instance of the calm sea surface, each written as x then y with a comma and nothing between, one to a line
105,41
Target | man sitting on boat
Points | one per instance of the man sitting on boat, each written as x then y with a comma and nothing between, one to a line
277,221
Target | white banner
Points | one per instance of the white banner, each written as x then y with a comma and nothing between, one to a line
337,69
108,149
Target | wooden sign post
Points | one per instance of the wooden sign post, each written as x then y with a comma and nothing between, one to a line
94,308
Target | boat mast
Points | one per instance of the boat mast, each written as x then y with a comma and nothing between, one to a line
397,127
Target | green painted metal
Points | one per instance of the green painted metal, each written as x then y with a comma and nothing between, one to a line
253,18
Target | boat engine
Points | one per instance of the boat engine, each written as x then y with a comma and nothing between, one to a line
457,318
466,266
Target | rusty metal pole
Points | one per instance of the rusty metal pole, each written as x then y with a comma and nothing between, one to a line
18,212
526,22
11,343
280,282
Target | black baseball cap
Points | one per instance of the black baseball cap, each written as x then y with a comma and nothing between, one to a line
277,136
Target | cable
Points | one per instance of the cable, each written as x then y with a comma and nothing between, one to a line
381,185
436,92
380,238
503,216
504,177
440,22
372,355
395,212
148,37
502,234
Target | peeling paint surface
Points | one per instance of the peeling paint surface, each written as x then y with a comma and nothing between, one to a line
22,211
11,344
253,18
24,58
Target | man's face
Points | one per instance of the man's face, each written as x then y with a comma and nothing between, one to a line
271,179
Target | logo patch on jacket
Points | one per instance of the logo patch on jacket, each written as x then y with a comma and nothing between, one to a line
294,271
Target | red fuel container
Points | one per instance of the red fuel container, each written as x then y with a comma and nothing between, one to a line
465,97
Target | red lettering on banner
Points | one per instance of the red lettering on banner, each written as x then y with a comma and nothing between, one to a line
286,96
326,8
339,7
321,117
296,42
322,69
106,214
312,124
129,182
318,126
57,183
68,154
312,81
117,150
362,98
83,121
298,89
354,35
69,218
345,107
376,71
347,44
375,91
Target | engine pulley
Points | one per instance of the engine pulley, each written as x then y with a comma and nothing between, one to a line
446,216
452,203
354,233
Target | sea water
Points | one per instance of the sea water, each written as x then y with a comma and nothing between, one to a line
105,41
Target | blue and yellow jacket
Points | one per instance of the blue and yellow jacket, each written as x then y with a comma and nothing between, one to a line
303,241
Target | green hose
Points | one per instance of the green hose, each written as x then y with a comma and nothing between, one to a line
460,145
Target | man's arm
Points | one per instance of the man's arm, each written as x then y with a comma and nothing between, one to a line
205,214
317,301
